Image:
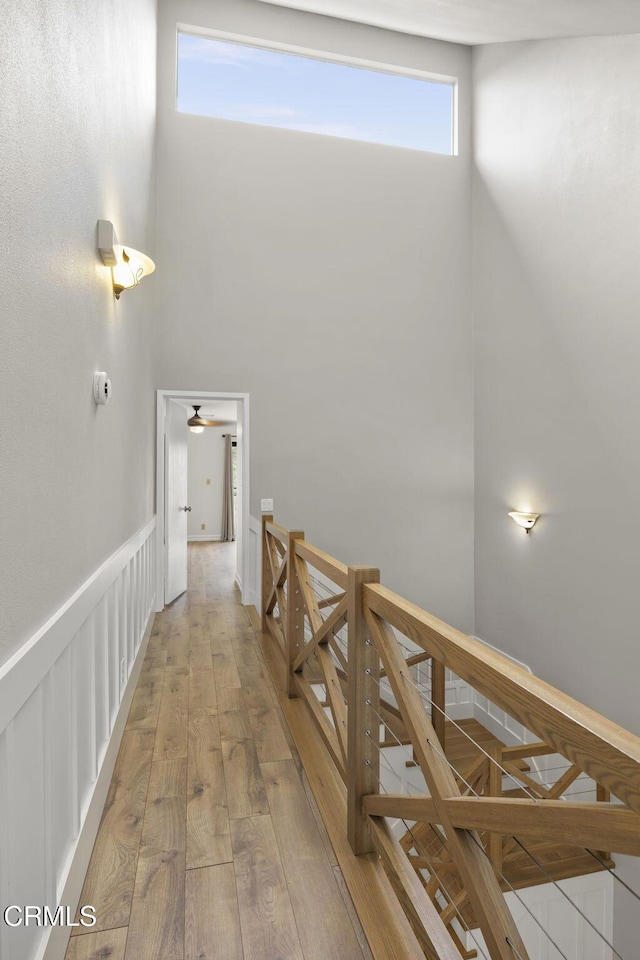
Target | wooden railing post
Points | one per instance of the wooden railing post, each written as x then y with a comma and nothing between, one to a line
438,699
267,579
494,789
294,634
603,796
363,768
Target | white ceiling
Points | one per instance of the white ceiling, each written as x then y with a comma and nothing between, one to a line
484,21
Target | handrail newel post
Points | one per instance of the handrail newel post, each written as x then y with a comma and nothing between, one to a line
267,579
294,634
363,770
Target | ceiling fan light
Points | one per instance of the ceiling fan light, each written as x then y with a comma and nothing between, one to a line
196,423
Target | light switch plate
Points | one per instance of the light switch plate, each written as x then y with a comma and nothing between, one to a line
266,505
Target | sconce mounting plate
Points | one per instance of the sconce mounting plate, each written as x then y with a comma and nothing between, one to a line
107,243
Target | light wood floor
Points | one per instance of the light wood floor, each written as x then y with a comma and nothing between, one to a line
211,845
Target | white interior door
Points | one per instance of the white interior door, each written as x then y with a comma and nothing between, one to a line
175,446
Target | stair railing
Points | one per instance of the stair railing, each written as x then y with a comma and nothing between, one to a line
363,690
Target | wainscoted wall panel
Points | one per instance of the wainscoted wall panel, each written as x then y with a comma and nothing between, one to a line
61,696
254,588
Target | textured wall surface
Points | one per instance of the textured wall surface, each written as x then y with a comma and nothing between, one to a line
557,287
77,99
330,279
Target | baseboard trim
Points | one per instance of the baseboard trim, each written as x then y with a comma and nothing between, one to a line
56,945
204,538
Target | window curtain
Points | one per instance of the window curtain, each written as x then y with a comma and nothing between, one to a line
228,506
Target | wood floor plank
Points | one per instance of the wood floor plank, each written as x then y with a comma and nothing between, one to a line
218,628
224,663
212,930
208,834
266,916
154,660
268,735
218,583
353,916
315,897
243,644
200,655
317,816
202,689
110,879
237,617
178,644
171,736
156,927
145,705
246,796
198,618
98,946
197,593
242,635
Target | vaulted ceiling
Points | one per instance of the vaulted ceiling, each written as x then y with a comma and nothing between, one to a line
484,21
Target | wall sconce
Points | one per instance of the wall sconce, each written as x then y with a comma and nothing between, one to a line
524,520
128,266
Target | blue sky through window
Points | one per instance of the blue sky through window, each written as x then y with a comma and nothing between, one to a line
253,85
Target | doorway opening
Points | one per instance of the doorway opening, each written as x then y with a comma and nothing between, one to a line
202,482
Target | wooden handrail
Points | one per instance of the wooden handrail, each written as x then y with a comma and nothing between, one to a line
605,751
330,567
280,533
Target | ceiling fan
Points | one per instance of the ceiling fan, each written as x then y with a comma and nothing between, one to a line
196,423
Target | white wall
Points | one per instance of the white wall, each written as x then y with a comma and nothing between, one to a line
557,288
205,461
77,98
557,221
329,279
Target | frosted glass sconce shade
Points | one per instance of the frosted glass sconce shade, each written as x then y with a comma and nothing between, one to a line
128,266
524,520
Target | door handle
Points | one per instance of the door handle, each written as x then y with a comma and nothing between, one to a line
185,509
